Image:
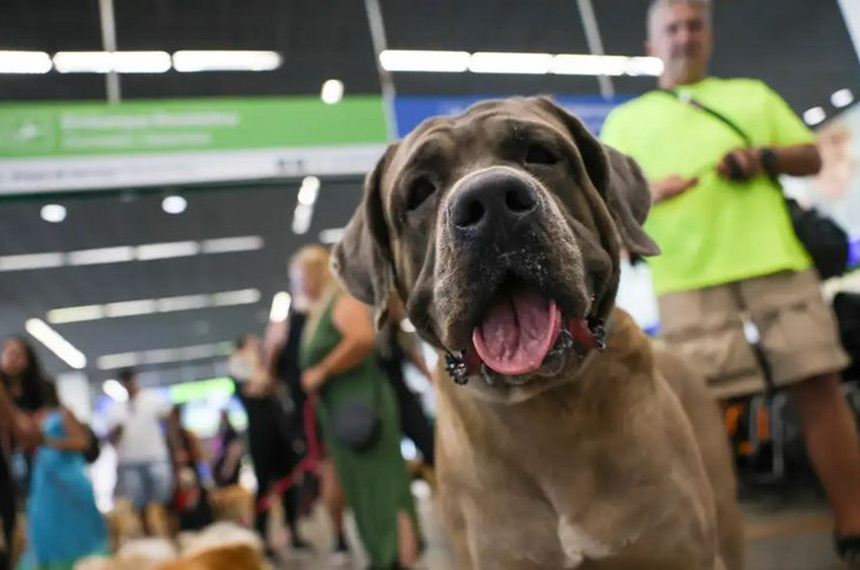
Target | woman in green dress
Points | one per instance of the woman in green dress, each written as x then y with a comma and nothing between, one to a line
339,365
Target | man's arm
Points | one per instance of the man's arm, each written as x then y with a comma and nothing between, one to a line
797,160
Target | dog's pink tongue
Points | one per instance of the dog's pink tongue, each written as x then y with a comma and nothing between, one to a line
517,333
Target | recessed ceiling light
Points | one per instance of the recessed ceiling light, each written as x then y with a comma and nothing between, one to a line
302,218
332,91
280,307
814,116
54,213
309,190
174,204
842,98
331,236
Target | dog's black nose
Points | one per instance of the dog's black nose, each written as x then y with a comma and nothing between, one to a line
491,201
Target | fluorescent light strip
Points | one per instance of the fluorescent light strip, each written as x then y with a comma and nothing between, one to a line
518,63
223,60
31,261
116,61
147,306
28,62
233,298
40,330
184,303
76,314
500,62
138,61
101,255
168,250
232,244
115,390
130,308
425,60
114,361
613,65
163,355
121,254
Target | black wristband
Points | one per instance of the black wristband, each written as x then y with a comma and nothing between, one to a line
768,160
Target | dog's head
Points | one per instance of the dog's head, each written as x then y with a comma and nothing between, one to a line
500,228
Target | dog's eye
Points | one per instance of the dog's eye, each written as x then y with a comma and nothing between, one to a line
539,154
419,191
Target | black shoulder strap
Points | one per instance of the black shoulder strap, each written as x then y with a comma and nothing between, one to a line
712,112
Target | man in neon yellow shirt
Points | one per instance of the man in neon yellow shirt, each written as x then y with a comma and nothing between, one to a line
729,250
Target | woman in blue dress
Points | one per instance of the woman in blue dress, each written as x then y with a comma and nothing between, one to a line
64,524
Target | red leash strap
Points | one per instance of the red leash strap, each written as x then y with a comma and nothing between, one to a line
308,464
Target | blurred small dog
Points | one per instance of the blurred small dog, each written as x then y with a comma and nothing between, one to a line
222,546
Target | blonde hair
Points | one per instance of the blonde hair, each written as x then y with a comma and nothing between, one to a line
657,5
313,258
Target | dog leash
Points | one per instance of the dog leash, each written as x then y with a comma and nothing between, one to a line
309,463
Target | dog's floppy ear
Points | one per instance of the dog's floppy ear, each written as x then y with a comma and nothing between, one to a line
362,259
617,177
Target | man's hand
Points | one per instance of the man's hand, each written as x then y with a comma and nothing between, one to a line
740,164
313,378
670,187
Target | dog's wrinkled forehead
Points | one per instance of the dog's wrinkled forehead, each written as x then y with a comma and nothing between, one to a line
471,134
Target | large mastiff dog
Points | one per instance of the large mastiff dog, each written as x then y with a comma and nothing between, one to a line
501,229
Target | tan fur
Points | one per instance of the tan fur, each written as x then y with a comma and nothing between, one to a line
627,470
233,557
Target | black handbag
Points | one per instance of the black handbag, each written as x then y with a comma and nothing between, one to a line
826,242
357,425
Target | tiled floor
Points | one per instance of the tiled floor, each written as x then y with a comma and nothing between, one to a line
783,534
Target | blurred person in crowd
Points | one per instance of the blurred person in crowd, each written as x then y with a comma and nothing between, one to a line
285,366
396,349
268,437
22,387
340,367
144,474
728,245
63,522
228,453
190,498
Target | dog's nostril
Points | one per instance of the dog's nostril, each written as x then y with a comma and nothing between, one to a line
520,200
469,213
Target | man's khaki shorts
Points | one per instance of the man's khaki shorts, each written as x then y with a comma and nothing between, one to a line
797,331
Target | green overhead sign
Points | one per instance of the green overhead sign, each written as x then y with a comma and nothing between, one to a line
217,124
